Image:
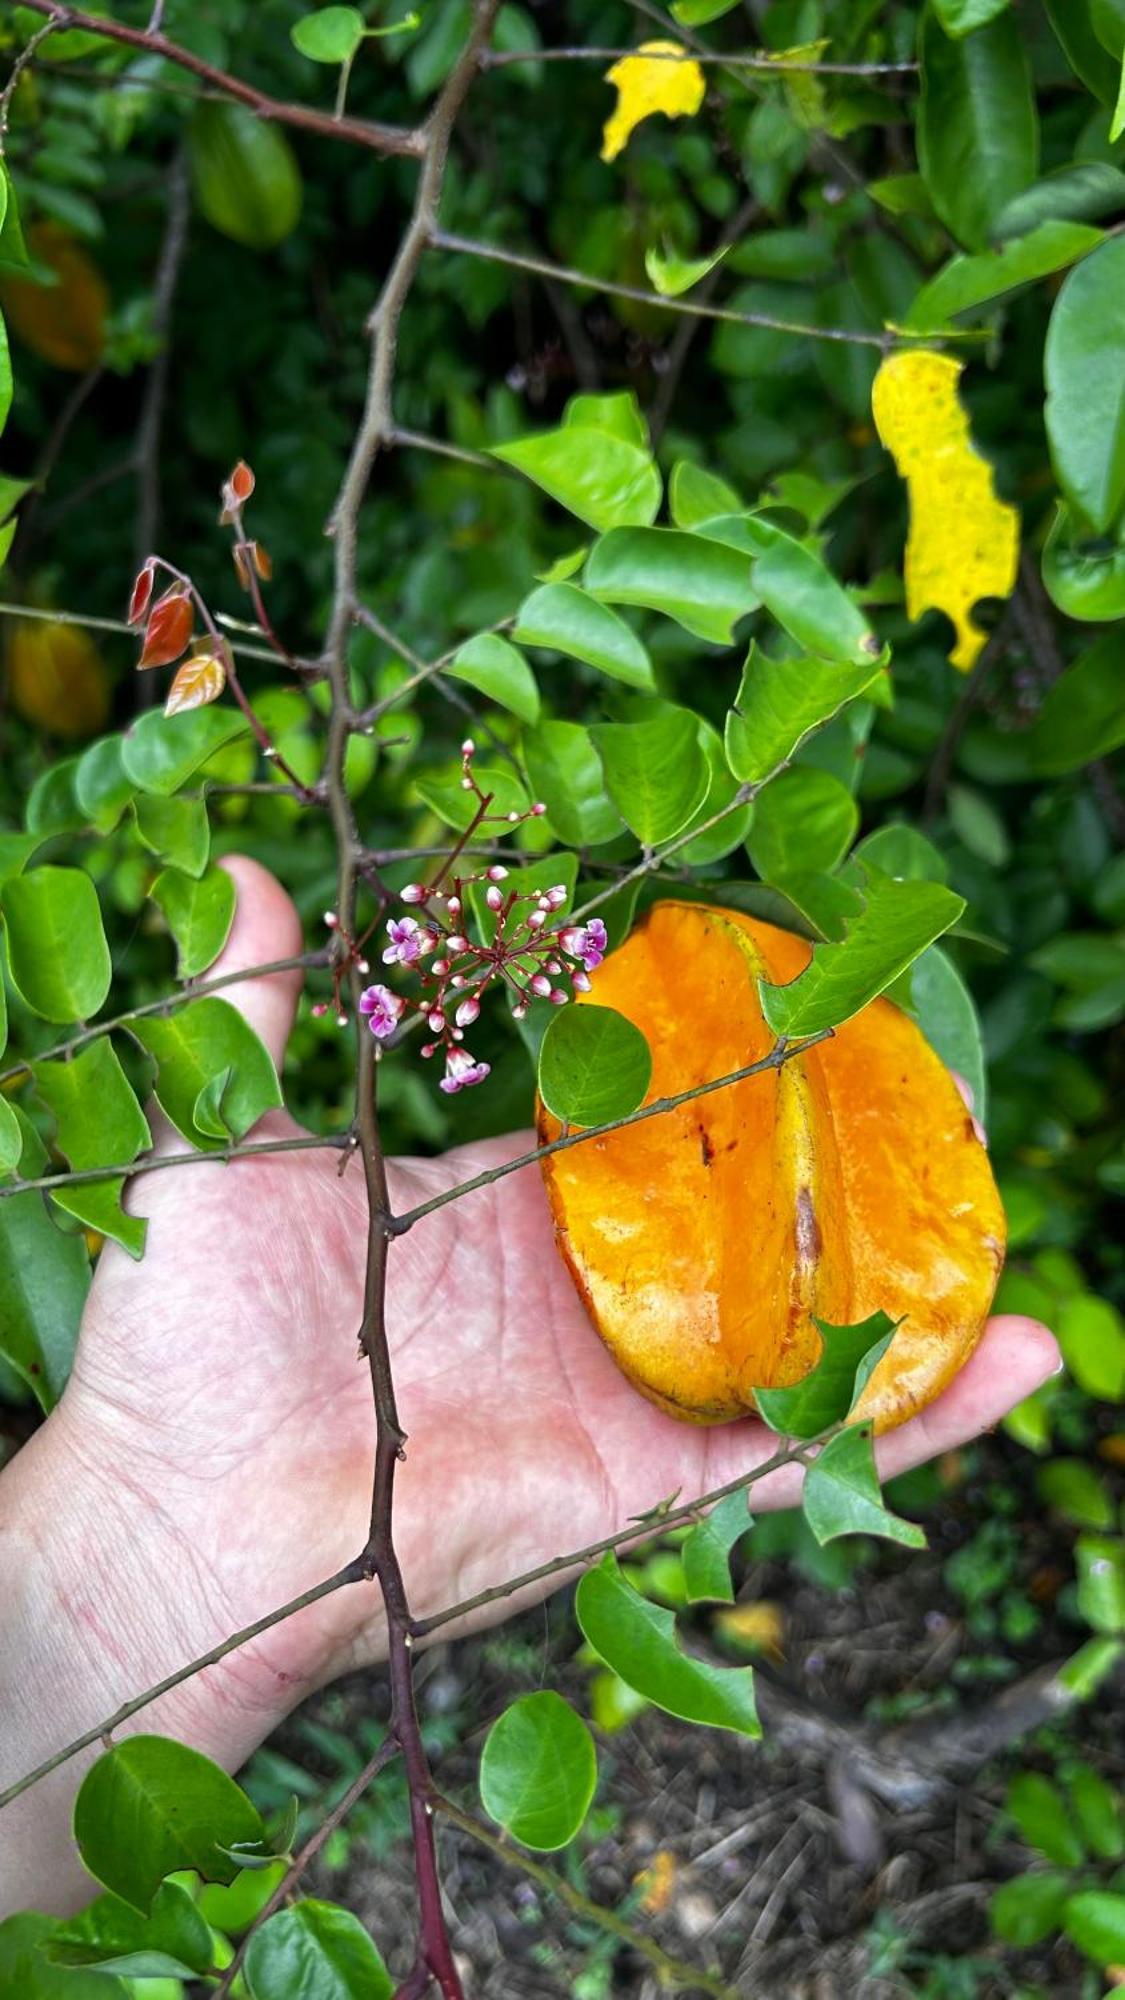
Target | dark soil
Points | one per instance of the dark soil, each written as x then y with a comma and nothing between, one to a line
748,1844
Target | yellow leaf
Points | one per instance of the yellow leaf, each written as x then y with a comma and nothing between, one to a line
657,1881
200,679
753,1628
57,678
964,540
660,77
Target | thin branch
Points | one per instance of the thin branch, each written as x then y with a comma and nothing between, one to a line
671,1972
492,253
309,1142
641,1529
418,441
305,1857
193,991
22,62
770,65
352,1572
435,1954
91,624
153,400
781,1053
376,137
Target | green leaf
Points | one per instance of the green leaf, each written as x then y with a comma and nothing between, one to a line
102,786
617,412
538,1771
444,792
1073,1488
934,993
706,1551
565,771
1091,1334
960,17
497,669
977,133
904,853
1081,192
695,496
700,13
1027,1909
1083,715
1117,122
199,915
315,1951
1097,1810
1095,1920
247,181
702,584
603,479
44,1279
175,830
568,620
1101,1582
26,1974
207,1113
98,1123
52,806
594,1065
161,752
57,951
1084,369
1038,1810
897,922
966,282
16,850
11,1138
813,608
1087,56
151,1806
671,275
804,819
330,35
1084,574
833,1386
637,1640
195,1044
780,702
655,772
842,1497
730,831
172,1942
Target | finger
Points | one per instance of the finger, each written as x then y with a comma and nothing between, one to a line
266,928
1015,1356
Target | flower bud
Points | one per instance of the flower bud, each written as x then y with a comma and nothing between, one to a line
467,1012
496,873
535,919
436,1020
558,997
541,985
468,747
494,897
414,892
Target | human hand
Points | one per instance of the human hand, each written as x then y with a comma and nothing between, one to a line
219,1425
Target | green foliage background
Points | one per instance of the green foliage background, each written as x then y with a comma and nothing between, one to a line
844,196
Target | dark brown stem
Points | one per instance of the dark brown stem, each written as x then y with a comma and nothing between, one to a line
378,138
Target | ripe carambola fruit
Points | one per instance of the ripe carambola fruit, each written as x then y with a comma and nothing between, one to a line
705,1241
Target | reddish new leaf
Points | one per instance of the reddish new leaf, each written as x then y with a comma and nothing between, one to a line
168,629
142,592
199,680
242,482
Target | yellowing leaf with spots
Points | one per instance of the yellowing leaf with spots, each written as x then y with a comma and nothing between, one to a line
661,76
964,540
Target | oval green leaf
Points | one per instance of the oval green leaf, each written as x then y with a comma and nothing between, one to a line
538,1770
594,1065
315,1951
637,1639
57,951
151,1806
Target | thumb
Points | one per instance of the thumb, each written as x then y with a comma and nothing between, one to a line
266,927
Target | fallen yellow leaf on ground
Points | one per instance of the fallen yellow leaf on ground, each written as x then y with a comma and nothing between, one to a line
964,540
754,1628
660,77
657,1881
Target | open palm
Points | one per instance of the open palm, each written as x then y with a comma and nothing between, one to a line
219,1399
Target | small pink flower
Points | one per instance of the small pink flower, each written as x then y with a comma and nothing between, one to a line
406,941
587,942
461,1071
555,897
383,1009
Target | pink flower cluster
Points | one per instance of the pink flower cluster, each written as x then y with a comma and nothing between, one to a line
527,955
